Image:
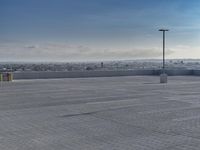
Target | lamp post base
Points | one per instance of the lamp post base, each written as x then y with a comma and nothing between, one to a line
163,78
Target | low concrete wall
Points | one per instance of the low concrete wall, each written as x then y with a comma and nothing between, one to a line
196,72
178,72
85,74
79,74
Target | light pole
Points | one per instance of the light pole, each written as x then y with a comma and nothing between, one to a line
163,77
163,30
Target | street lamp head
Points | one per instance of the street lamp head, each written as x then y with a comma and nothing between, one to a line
163,30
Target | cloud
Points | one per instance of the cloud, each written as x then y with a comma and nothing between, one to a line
121,54
31,46
69,52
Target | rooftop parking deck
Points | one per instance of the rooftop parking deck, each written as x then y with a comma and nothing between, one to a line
110,113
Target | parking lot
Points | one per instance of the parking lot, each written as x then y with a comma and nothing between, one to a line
108,113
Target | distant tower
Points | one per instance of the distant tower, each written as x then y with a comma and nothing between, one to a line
101,64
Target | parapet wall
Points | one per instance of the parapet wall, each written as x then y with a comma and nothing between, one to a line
85,74
196,72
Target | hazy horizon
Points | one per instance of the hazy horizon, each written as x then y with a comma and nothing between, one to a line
97,30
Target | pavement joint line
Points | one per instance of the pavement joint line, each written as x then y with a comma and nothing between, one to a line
102,110
112,101
109,109
169,110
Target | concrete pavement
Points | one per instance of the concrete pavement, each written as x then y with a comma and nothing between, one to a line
113,113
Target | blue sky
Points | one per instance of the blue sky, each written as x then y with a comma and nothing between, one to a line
82,30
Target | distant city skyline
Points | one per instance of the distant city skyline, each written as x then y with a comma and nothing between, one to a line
97,30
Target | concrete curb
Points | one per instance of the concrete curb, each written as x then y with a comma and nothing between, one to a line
86,74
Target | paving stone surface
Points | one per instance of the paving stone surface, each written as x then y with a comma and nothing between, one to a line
114,113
